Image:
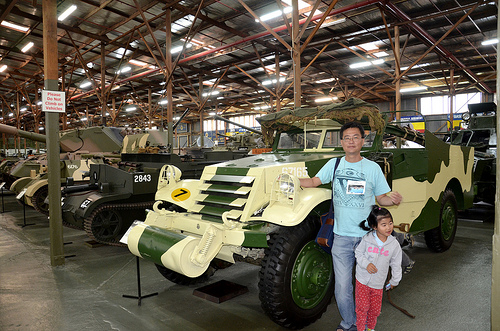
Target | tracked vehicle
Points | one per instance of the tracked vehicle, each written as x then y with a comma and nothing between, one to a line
116,196
255,208
79,149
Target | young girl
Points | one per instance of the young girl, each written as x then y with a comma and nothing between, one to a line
375,253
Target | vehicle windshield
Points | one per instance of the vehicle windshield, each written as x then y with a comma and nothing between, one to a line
312,139
299,140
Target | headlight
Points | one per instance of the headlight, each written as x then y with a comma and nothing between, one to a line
466,116
286,184
169,174
284,188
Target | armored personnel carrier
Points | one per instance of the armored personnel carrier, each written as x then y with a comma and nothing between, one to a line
255,207
479,131
115,197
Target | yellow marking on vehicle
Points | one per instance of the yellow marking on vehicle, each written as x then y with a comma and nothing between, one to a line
181,194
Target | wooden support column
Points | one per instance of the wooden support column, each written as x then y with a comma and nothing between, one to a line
150,110
36,116
104,102
201,110
170,83
52,124
495,270
297,90
397,55
452,94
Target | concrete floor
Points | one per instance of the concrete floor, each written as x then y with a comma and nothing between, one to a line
447,291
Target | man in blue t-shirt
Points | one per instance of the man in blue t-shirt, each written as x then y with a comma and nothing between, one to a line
358,183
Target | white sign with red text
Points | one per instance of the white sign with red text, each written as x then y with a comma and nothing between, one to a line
53,101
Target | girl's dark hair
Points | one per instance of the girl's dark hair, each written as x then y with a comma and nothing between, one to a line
372,219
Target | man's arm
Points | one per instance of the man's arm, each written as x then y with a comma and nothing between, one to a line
389,199
310,182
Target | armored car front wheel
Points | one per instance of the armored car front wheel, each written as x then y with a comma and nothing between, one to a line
441,238
296,278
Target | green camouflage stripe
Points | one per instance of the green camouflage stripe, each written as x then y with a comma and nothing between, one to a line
154,242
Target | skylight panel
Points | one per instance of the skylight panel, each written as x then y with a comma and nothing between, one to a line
182,23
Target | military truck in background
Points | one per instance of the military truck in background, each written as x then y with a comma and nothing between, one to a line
479,131
255,209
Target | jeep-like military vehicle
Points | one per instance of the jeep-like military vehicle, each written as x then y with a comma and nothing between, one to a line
255,208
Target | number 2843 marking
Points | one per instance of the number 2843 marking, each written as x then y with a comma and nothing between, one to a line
142,178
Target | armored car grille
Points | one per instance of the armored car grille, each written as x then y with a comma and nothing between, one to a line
223,193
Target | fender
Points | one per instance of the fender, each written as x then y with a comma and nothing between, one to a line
19,184
283,213
35,186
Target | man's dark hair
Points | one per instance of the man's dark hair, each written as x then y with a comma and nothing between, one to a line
350,125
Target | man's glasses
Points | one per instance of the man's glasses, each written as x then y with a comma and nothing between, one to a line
354,138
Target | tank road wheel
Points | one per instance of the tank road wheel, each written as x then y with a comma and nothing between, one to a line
181,279
440,239
296,278
38,200
104,225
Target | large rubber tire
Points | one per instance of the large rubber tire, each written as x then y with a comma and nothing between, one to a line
296,277
441,238
180,279
38,200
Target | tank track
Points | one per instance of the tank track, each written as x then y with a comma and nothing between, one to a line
117,207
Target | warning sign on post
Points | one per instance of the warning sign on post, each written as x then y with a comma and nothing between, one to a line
53,101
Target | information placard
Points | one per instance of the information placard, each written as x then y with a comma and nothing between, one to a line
53,101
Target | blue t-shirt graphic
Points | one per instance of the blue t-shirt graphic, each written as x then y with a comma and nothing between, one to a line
355,188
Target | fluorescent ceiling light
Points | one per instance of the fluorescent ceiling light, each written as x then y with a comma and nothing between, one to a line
27,47
124,70
84,118
206,94
163,102
39,103
2,68
179,48
85,84
272,81
138,63
131,108
23,109
326,99
262,107
274,14
326,80
66,13
413,89
366,64
416,66
381,54
15,26
11,114
329,22
42,128
490,42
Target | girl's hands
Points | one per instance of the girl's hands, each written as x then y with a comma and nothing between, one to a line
371,268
